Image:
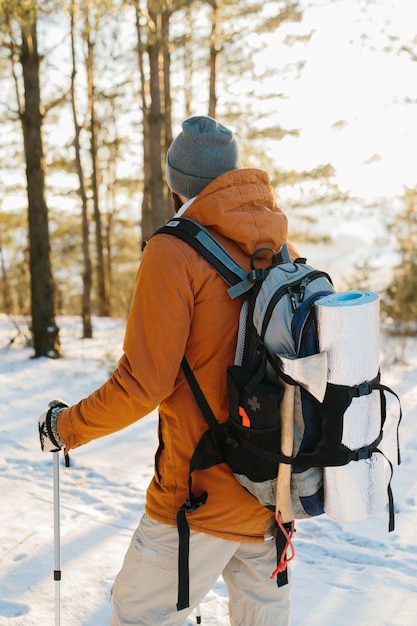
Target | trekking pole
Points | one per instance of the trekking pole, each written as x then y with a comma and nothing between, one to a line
57,544
198,615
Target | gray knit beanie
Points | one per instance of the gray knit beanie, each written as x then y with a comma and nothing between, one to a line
203,151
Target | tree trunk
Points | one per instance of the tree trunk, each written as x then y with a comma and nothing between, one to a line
155,124
167,117
7,300
146,218
103,291
44,329
152,100
87,272
188,62
213,63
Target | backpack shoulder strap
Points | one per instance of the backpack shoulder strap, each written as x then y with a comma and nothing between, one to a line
199,238
205,408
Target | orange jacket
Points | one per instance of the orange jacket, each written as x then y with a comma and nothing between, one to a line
181,306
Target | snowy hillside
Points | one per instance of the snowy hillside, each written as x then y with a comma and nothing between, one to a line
344,574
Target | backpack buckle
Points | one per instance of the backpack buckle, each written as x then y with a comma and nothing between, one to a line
364,389
192,503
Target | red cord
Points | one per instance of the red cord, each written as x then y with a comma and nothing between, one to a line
289,545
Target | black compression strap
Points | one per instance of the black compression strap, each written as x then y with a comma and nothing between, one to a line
280,543
383,389
183,600
190,505
274,457
391,511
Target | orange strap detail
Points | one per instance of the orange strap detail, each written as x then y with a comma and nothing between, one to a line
245,417
283,559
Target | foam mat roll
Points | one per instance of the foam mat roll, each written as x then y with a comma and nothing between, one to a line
348,330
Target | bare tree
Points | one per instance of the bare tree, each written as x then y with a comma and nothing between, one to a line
45,332
154,61
87,271
6,289
213,60
102,278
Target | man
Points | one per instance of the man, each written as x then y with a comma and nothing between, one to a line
181,307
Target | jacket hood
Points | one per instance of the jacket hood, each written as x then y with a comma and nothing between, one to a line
241,206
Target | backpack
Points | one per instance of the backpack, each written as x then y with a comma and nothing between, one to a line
277,350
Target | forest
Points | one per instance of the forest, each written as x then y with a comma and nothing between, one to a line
92,94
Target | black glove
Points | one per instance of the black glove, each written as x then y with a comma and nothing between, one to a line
48,427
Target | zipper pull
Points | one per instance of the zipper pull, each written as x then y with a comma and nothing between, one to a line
292,299
303,287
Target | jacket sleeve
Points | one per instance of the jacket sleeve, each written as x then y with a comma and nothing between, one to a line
156,334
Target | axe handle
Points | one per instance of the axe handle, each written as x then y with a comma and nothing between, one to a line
283,494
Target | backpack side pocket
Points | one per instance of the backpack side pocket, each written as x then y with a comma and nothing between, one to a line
254,432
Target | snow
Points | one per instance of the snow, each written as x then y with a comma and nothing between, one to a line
345,574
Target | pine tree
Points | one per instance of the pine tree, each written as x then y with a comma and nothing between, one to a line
399,304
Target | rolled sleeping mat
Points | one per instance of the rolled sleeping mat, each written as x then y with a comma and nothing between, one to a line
348,330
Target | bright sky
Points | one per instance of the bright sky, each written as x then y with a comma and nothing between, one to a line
359,81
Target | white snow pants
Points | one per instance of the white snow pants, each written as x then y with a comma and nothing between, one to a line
145,590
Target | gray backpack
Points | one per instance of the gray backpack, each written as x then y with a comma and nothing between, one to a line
278,339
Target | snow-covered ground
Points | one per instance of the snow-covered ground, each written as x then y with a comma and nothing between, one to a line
344,574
